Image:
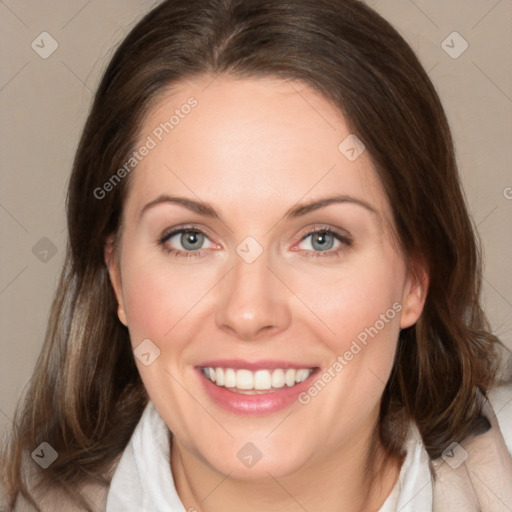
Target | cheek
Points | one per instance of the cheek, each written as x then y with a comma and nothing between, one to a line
145,307
361,308
157,296
159,304
359,301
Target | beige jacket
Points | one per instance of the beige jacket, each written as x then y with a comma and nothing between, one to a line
57,501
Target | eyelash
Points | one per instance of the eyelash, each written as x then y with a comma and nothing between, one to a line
345,240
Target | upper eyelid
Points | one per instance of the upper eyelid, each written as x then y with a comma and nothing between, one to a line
174,231
335,231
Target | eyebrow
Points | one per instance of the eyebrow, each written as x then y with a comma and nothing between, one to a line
207,210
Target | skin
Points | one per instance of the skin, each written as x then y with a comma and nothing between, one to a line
253,148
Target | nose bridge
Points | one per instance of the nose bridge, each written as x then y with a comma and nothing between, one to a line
252,299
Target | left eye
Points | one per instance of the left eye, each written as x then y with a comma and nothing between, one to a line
323,240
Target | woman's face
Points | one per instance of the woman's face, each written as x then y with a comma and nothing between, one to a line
264,291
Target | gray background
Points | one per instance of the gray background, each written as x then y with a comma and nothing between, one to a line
44,103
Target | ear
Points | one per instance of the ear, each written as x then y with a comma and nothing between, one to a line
114,271
414,294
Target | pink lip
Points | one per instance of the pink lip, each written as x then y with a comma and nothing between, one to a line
253,404
239,364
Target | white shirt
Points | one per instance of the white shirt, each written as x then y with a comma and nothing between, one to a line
143,481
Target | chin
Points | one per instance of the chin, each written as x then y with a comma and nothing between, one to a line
250,461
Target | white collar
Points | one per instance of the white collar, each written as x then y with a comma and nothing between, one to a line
143,481
413,489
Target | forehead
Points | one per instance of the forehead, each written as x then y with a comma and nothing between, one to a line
244,142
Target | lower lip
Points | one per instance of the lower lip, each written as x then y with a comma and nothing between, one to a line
254,404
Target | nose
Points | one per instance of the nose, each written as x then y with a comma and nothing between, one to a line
253,302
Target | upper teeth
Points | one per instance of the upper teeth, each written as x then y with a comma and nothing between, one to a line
260,379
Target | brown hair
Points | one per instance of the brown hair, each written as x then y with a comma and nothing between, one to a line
86,397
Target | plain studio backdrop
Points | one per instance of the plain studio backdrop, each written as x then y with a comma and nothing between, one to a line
53,53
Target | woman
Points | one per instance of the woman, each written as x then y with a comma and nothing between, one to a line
271,293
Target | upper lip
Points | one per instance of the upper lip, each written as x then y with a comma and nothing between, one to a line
239,364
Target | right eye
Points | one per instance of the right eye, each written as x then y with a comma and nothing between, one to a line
183,242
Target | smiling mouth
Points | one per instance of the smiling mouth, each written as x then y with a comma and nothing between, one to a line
257,382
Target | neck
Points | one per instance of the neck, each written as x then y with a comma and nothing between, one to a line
345,480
